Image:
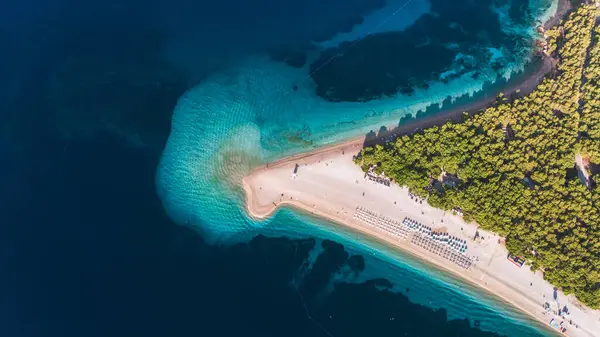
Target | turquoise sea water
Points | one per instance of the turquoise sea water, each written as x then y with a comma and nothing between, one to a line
259,109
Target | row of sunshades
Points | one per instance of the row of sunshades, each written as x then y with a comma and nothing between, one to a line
379,221
453,242
441,250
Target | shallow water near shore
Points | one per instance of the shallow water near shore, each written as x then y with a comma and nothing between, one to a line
90,91
261,109
420,281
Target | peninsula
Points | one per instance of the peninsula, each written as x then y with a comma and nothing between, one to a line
386,191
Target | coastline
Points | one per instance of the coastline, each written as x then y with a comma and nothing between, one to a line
309,190
419,256
310,195
329,185
455,113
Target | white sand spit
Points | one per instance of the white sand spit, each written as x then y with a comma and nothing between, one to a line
328,184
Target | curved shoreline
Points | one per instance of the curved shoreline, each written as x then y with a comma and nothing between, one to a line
453,114
329,185
499,280
435,263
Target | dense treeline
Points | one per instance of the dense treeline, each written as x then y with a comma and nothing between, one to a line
513,166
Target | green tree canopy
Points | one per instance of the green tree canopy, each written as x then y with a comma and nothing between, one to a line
515,163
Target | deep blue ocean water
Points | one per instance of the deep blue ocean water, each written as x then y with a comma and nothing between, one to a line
88,91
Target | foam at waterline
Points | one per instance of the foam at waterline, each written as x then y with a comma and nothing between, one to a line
397,15
542,10
547,10
428,285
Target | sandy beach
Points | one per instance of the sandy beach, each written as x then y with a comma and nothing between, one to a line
328,184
